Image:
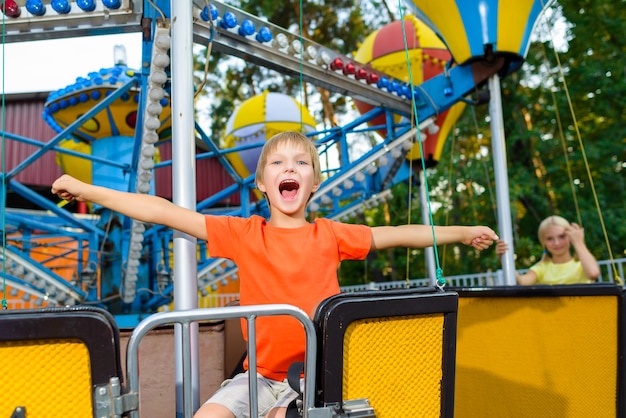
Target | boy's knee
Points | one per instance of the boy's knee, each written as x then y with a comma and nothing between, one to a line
277,413
213,410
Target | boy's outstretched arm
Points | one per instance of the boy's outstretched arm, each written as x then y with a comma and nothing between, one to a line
421,236
142,207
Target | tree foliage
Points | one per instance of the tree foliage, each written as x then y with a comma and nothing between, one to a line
565,137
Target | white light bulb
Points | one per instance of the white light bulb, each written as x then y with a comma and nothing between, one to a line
150,137
280,41
152,123
156,93
161,60
148,151
158,77
310,53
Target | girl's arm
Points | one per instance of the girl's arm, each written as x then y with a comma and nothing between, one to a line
527,279
588,261
142,207
421,236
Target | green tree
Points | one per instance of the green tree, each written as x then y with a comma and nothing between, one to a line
543,148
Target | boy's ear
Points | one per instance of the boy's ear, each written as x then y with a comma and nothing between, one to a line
261,186
315,187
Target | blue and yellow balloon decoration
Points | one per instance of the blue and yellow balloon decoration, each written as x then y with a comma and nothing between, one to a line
483,29
257,120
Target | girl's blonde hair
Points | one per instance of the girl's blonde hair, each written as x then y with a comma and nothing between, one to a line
293,139
554,220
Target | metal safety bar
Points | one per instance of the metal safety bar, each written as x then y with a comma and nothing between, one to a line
187,317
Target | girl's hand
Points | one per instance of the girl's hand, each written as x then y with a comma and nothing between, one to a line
501,247
575,233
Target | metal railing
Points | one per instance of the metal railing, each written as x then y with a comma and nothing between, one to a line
608,269
186,318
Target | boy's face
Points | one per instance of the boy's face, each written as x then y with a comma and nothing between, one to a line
288,178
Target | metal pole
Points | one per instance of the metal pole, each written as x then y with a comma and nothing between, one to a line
502,181
184,194
429,252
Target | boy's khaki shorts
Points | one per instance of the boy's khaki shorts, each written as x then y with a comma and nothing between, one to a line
233,394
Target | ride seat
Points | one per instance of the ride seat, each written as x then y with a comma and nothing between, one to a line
54,360
394,348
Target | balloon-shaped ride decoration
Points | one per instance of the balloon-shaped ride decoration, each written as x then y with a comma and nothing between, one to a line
385,50
482,30
257,120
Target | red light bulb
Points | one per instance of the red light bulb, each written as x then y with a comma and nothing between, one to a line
336,64
349,69
372,78
360,74
10,8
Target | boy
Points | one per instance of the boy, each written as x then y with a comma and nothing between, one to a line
284,259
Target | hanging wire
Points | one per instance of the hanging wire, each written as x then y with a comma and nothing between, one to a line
450,191
207,56
408,220
584,155
559,125
301,70
484,164
441,282
4,191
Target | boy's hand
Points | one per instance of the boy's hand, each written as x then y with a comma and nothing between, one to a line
480,237
68,188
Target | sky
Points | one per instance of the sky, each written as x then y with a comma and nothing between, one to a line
43,66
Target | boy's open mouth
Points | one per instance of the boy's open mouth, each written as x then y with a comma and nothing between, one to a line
288,189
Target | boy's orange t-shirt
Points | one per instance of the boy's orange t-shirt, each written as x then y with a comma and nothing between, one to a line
280,265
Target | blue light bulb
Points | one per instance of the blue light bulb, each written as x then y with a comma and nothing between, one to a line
383,83
112,4
264,35
212,10
229,20
35,7
86,5
246,28
61,6
204,14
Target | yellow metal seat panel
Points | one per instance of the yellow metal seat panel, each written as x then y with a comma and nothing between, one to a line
50,378
553,356
395,363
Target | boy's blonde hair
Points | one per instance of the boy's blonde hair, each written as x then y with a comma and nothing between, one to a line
294,139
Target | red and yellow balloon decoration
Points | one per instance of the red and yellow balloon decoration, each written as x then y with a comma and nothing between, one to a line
384,50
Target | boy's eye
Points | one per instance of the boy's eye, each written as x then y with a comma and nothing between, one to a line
275,162
302,162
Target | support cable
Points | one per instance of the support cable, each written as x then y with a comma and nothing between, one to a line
618,278
441,282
